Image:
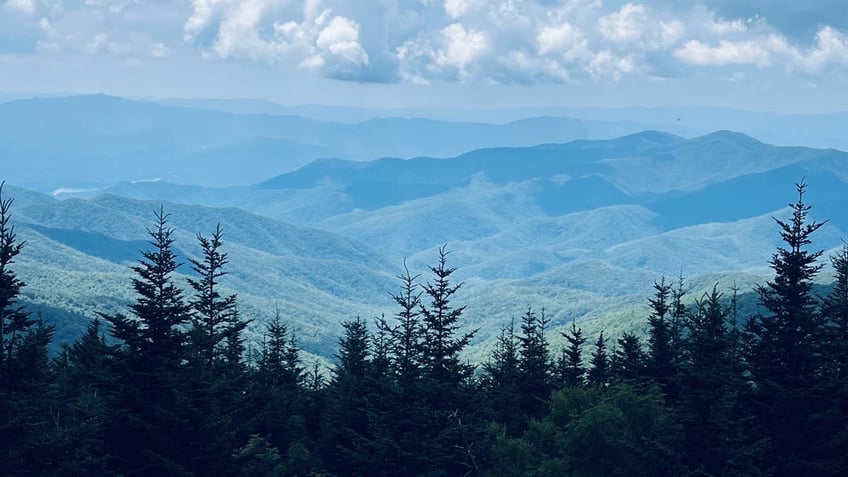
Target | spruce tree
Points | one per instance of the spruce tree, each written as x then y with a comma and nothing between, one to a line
151,427
783,353
212,322
570,367
834,311
534,363
407,345
628,359
154,336
14,320
502,382
714,441
443,342
445,384
661,356
599,372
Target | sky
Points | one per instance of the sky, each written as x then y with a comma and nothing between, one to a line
768,55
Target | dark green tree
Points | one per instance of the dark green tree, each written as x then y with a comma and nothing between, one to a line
150,428
154,336
599,366
714,440
407,345
784,353
570,369
14,320
212,322
628,359
502,382
534,363
443,341
661,356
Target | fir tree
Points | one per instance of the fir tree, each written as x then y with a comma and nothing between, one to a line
599,372
212,322
14,320
440,322
661,356
155,335
534,363
407,345
783,349
570,364
151,394
628,359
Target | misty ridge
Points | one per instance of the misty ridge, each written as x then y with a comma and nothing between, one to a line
258,289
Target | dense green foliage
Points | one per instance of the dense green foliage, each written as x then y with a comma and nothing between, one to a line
174,390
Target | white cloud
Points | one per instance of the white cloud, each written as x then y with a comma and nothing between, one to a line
264,30
726,53
505,41
461,46
606,65
564,39
456,9
449,57
23,6
340,38
625,25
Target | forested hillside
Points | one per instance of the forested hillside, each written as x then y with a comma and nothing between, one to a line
171,386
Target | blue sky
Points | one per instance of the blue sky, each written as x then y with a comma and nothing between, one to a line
779,55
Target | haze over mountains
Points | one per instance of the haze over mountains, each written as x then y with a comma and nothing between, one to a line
582,228
93,141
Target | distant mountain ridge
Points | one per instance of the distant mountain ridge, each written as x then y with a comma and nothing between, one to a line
581,228
96,140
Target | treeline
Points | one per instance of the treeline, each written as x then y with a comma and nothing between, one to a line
175,392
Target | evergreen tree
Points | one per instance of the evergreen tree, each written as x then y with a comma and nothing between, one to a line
23,372
570,367
445,384
14,320
151,426
534,363
628,359
86,379
154,336
502,382
784,355
661,357
212,323
407,337
835,316
345,421
440,321
714,439
277,397
834,311
599,372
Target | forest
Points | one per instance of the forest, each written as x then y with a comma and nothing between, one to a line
173,388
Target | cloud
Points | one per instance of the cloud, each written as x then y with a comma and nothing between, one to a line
726,52
23,6
449,56
564,39
265,30
627,24
469,41
456,9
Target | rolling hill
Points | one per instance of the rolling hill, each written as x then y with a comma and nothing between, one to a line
581,228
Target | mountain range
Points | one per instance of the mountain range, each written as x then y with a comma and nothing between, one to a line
581,228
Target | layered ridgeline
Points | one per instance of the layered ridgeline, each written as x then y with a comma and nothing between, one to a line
82,142
582,229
